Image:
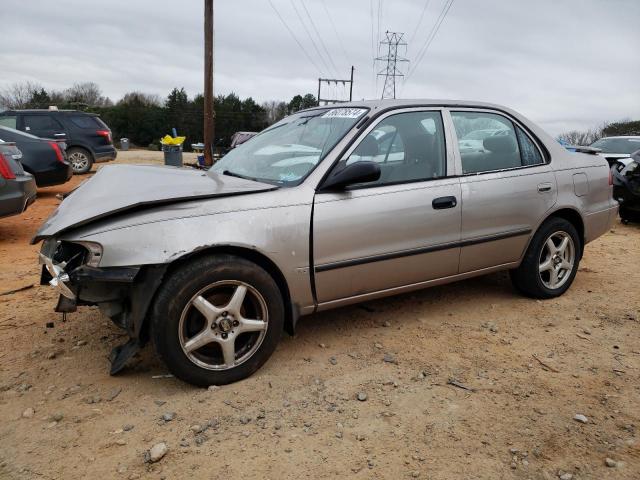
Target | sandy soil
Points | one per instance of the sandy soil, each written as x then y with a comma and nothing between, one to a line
530,367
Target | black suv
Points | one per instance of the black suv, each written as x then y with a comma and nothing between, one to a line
87,137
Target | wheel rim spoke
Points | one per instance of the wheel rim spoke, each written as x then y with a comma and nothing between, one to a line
206,308
251,326
546,265
562,248
228,351
235,304
551,246
200,340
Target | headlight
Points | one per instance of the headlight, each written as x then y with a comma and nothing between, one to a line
75,252
94,253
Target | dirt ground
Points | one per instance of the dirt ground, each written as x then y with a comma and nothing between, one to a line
529,367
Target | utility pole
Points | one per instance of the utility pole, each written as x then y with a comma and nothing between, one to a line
393,41
335,81
209,114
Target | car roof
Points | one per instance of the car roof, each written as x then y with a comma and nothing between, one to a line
46,110
396,103
635,137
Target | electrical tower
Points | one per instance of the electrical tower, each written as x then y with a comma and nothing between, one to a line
329,82
393,41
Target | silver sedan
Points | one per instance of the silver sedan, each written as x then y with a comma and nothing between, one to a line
331,206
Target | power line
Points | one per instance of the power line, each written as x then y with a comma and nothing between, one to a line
378,30
335,31
434,32
315,29
373,49
295,38
313,42
424,10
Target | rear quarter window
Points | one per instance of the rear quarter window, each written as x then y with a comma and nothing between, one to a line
87,121
8,121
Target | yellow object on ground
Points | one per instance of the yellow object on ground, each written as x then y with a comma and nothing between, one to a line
169,140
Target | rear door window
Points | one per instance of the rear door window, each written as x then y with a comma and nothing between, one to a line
488,142
40,123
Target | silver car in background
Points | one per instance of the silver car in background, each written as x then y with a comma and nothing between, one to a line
330,206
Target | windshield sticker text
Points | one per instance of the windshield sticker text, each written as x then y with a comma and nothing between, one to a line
344,113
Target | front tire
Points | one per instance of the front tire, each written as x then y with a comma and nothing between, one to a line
217,320
551,261
81,160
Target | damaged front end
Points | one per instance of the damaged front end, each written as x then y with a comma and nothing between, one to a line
123,294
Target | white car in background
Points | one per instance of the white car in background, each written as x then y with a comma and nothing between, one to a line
474,141
618,149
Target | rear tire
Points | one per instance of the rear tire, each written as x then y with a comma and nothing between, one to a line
551,261
202,334
81,160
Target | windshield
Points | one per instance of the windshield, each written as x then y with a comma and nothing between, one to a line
618,145
285,153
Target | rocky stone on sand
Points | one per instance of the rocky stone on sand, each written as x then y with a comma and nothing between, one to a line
156,452
389,358
113,393
578,417
362,396
610,462
168,416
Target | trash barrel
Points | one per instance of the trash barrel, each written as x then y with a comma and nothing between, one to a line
124,144
172,155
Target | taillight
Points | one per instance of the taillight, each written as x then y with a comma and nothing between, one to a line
610,177
104,133
5,169
56,148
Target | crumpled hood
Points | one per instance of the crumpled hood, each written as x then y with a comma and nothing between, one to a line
118,188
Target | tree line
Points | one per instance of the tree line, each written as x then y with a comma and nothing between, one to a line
144,118
587,137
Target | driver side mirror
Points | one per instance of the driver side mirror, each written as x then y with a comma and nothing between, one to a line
358,172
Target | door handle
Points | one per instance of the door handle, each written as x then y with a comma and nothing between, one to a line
544,187
444,202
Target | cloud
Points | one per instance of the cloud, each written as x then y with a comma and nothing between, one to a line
570,64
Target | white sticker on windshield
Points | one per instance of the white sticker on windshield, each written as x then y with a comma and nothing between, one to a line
344,113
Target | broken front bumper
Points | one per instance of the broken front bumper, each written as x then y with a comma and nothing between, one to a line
124,294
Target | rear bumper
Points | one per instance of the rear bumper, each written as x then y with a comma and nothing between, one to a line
58,175
17,195
599,223
105,154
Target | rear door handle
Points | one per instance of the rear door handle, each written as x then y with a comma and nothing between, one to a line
544,187
444,202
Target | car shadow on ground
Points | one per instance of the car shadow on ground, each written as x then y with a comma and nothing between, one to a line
434,303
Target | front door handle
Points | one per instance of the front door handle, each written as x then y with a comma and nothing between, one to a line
444,202
544,187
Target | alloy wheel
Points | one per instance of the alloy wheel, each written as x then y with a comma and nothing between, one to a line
79,161
557,260
223,325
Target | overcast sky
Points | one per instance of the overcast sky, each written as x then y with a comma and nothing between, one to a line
565,64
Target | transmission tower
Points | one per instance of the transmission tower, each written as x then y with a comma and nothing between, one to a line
391,44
